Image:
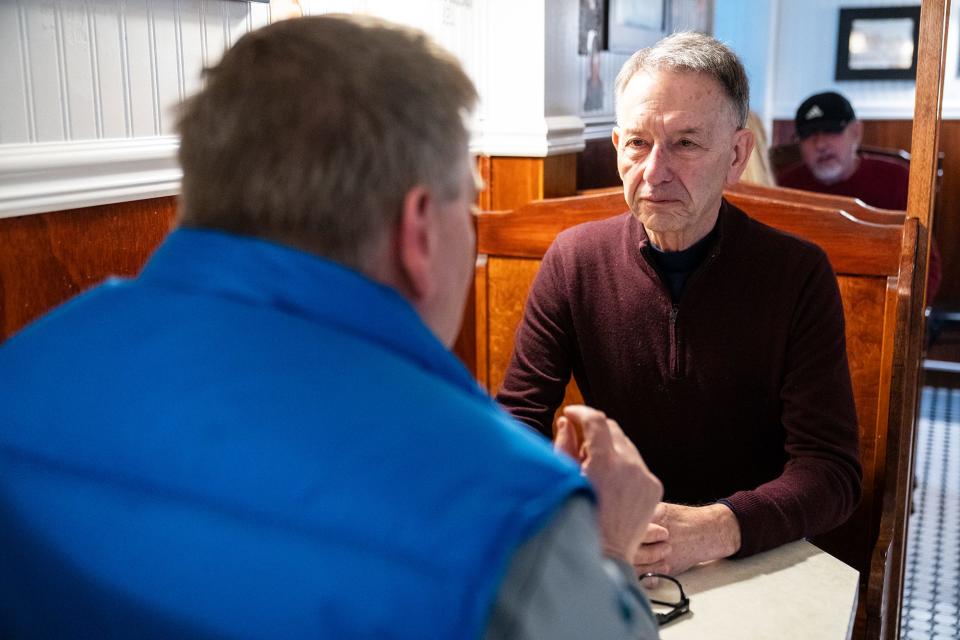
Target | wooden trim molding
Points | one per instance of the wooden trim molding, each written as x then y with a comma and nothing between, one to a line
539,137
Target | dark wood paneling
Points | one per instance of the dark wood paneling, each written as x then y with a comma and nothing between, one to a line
946,224
784,132
892,134
48,258
597,165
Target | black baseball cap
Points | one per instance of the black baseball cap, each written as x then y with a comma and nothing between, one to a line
829,112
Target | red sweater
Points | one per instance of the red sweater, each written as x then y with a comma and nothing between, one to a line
877,181
738,392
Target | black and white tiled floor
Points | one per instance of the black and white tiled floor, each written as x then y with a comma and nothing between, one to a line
931,596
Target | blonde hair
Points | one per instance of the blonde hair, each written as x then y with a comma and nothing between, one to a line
314,130
758,169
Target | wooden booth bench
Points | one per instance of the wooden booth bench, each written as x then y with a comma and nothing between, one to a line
874,262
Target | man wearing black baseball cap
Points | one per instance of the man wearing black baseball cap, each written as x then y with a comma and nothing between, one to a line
830,135
829,112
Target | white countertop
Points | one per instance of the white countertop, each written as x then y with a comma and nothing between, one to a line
793,592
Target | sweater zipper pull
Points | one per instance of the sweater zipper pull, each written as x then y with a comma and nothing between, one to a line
674,342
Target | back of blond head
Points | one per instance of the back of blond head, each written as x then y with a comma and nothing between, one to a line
688,51
312,131
759,170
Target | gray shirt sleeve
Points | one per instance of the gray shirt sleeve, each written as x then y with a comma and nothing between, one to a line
560,586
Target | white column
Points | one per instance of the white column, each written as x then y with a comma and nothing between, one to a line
527,79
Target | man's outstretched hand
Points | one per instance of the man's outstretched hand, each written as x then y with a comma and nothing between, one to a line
626,490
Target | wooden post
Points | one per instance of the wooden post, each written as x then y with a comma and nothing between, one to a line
934,19
508,183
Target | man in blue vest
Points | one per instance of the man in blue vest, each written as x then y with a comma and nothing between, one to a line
264,435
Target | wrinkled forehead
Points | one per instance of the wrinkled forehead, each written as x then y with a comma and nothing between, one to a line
684,98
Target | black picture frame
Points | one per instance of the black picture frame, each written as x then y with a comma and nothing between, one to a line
592,18
872,42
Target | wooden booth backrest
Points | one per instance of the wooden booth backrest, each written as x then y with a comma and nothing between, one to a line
872,273
854,206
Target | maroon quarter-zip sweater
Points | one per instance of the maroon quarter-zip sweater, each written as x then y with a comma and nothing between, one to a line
739,391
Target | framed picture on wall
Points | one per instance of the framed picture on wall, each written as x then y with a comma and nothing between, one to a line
878,43
591,26
634,24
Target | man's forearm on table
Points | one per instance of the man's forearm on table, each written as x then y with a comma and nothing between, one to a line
806,500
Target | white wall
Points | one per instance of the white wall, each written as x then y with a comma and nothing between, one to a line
747,26
806,61
806,44
789,48
87,88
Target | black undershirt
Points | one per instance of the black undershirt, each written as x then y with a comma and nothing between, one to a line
675,267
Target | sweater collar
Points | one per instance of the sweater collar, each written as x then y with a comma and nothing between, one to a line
267,274
715,240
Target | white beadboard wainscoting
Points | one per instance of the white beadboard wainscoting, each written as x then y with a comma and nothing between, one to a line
106,69
88,88
88,91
